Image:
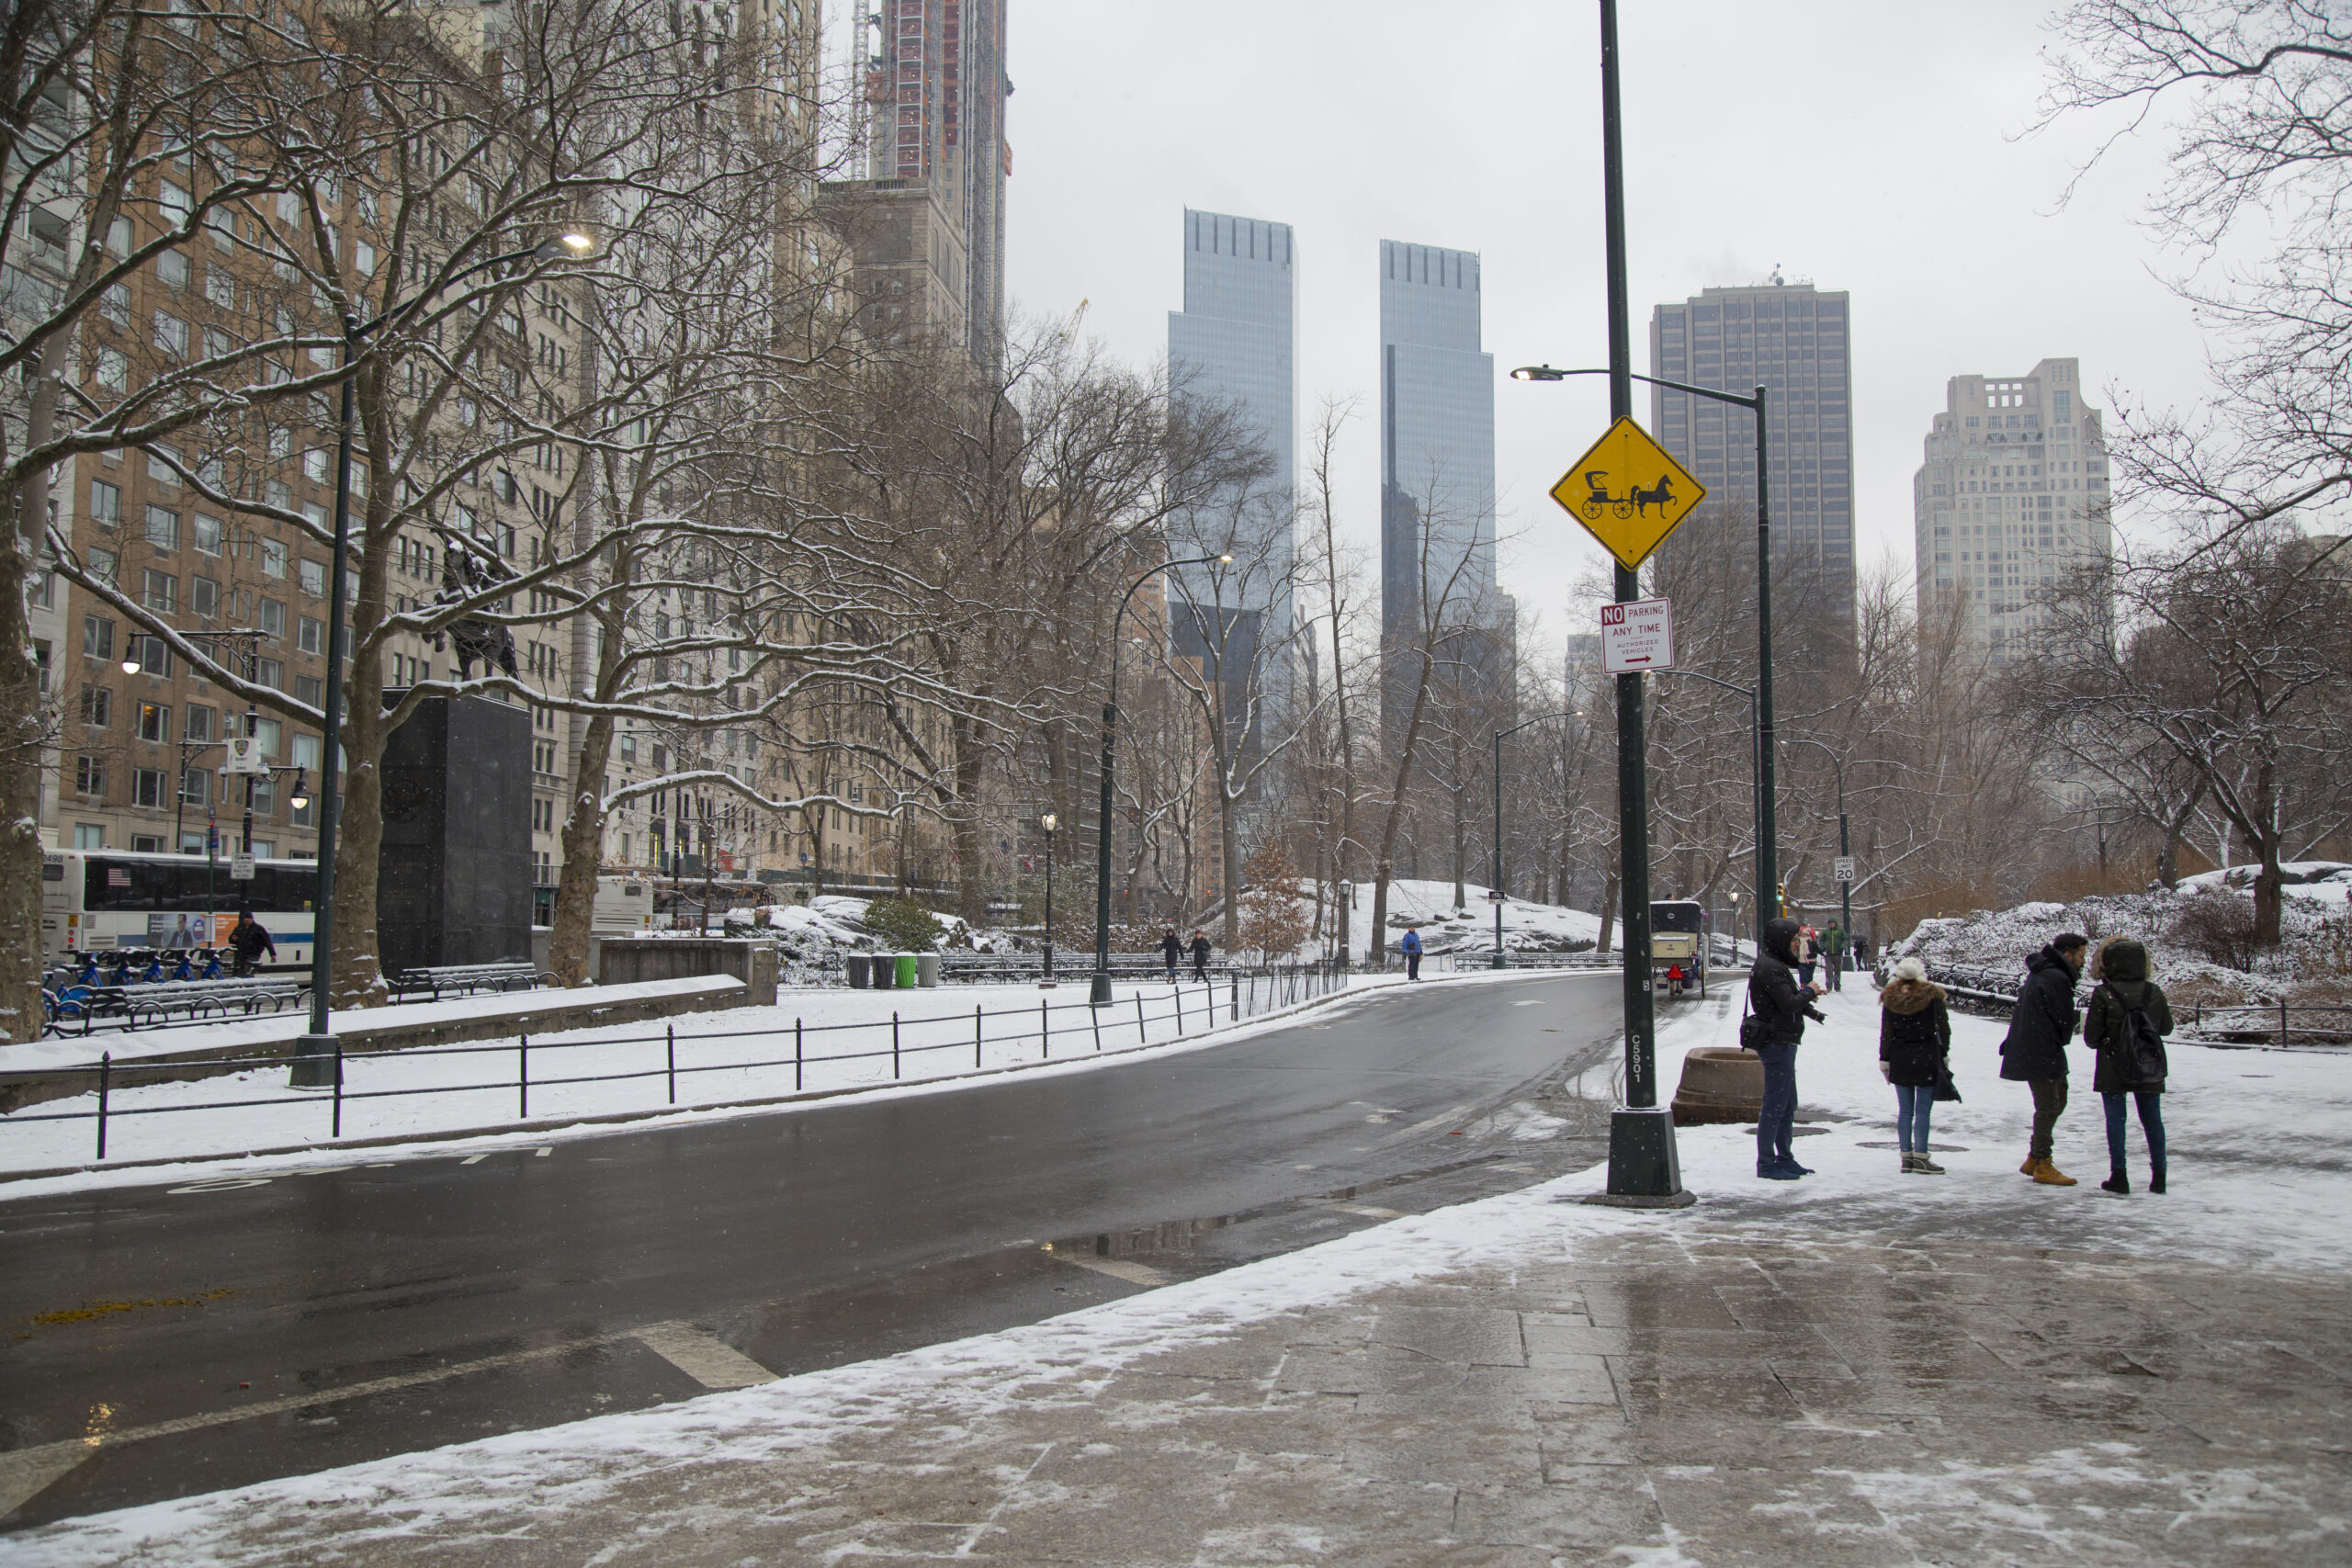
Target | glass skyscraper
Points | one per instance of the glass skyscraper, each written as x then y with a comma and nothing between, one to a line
1234,345
1437,445
1793,340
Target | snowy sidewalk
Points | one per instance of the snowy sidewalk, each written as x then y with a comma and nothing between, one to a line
1858,1368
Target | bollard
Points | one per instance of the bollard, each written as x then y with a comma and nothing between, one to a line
523,1075
105,1074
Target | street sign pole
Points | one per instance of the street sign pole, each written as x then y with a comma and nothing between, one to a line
1642,1167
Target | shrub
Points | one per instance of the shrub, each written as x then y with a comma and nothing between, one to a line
2217,925
901,925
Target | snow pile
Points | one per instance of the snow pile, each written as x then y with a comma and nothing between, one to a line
2325,883
2307,967
1447,927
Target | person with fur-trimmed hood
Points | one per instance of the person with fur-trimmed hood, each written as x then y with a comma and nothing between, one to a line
2126,1066
1914,1052
1781,1006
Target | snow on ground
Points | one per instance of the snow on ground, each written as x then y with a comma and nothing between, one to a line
2261,1144
1446,927
2259,1173
742,1054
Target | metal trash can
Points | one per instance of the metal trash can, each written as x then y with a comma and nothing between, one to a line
927,970
859,970
886,971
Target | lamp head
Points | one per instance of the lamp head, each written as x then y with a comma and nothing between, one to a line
131,663
1538,373
571,246
300,799
1047,821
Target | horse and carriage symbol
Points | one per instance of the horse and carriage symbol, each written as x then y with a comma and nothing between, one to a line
1636,501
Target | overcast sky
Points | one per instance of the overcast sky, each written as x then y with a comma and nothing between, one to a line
1866,146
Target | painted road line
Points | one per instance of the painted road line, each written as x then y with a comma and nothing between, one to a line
1439,1120
705,1358
1116,1267
26,1473
1369,1212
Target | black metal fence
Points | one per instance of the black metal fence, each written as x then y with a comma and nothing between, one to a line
1191,1008
2229,1023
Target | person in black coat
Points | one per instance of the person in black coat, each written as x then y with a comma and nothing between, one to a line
1914,1051
1780,1007
2124,987
248,939
1172,949
1200,956
2035,1052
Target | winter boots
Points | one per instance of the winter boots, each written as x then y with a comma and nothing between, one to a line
2157,1180
2118,1183
1920,1165
2049,1174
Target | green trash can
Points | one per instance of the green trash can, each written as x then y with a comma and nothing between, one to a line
906,968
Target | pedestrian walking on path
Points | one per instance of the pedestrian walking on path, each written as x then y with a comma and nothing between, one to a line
248,939
1200,954
1411,946
2035,1052
1836,951
1172,949
2125,1028
1807,955
1915,1056
1779,1005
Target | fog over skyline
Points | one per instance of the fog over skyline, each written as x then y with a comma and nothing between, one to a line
1878,150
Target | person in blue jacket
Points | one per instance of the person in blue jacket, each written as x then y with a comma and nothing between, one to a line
1411,946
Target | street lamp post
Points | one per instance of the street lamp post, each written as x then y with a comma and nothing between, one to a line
1047,821
1497,891
1100,994
1347,891
1844,847
314,1053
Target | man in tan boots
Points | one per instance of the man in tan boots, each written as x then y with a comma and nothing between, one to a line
2035,1052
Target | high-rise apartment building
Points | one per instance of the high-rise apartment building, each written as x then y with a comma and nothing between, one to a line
2012,491
926,225
1235,344
1437,443
1793,340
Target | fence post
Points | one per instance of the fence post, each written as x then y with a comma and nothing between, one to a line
523,1076
337,1131
2282,1023
894,1047
1180,1009
1045,1029
1236,999
1095,1016
106,1077
795,1055
671,1030
976,1037
1143,1029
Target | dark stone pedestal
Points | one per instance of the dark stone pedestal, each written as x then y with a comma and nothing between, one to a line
454,883
1643,1170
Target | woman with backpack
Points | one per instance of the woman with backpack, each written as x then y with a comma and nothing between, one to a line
2125,1025
1913,1054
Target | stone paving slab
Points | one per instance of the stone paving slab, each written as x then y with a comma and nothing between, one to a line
1680,1395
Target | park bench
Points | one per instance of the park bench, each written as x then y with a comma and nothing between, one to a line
465,979
152,1002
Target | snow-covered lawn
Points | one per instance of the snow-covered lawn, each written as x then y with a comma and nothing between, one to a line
1446,925
2261,1144
829,1040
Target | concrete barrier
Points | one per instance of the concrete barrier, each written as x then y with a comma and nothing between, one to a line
632,960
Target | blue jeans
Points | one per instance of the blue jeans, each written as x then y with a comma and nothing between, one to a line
2151,1127
1775,1126
1915,1105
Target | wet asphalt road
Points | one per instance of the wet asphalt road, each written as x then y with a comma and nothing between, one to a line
213,1338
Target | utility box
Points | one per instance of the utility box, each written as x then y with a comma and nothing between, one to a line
452,883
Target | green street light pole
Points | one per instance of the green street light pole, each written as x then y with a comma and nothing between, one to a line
1496,892
313,1061
1098,993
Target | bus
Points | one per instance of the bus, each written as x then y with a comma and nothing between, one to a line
623,904
1679,937
93,899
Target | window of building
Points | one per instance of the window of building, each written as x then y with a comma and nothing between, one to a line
111,371
265,796
106,504
306,752
314,576
89,835
170,334
196,786
272,617
159,590
310,635
273,560
270,674
199,722
203,597
97,706
154,722
98,637
150,787
89,775
309,689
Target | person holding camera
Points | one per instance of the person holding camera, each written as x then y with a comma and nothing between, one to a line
1779,1007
